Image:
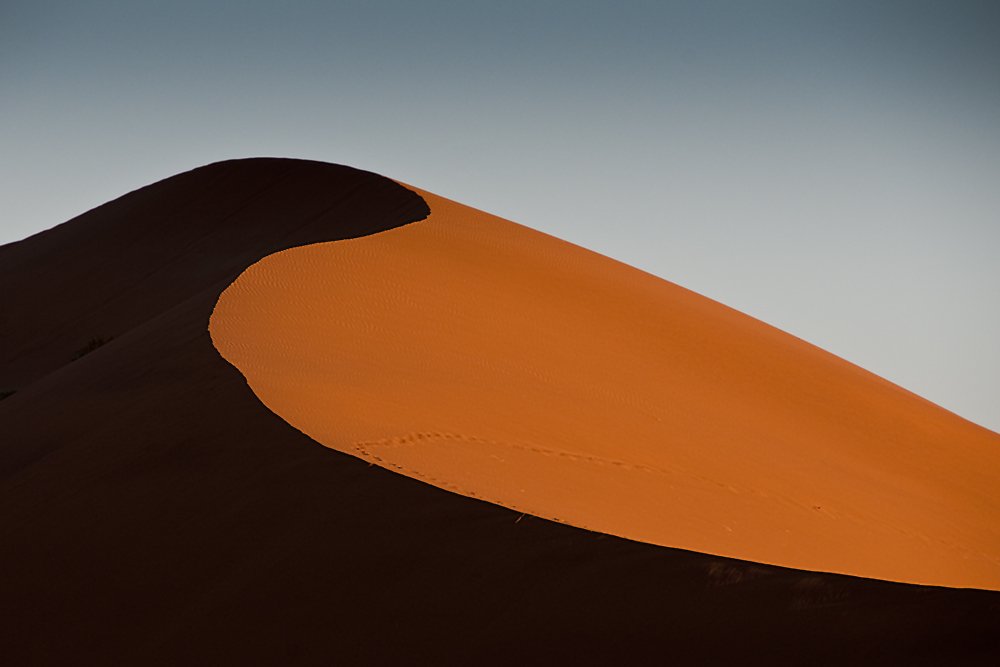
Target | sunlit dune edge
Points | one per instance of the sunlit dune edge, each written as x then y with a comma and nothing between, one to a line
500,363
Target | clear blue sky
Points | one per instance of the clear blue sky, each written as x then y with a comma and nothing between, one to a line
832,168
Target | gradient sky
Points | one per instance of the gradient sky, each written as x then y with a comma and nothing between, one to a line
832,168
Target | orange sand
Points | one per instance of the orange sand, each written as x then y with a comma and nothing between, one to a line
498,362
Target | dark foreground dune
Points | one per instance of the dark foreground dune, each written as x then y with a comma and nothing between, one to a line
153,511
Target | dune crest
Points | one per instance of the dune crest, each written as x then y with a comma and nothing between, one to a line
495,361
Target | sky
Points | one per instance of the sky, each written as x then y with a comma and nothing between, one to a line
829,167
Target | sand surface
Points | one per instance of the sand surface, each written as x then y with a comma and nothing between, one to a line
154,512
500,363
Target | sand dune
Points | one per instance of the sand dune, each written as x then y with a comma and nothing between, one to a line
154,512
500,363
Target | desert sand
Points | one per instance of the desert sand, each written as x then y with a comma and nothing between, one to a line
153,511
498,362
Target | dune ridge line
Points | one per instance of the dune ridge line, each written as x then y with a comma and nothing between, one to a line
767,448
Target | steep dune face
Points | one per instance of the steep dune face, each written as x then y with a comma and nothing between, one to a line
486,358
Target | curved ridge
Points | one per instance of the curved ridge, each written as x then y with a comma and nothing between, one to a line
126,262
467,323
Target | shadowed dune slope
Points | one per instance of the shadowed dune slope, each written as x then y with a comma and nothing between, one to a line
154,512
504,364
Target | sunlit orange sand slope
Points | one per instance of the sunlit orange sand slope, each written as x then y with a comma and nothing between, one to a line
498,362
